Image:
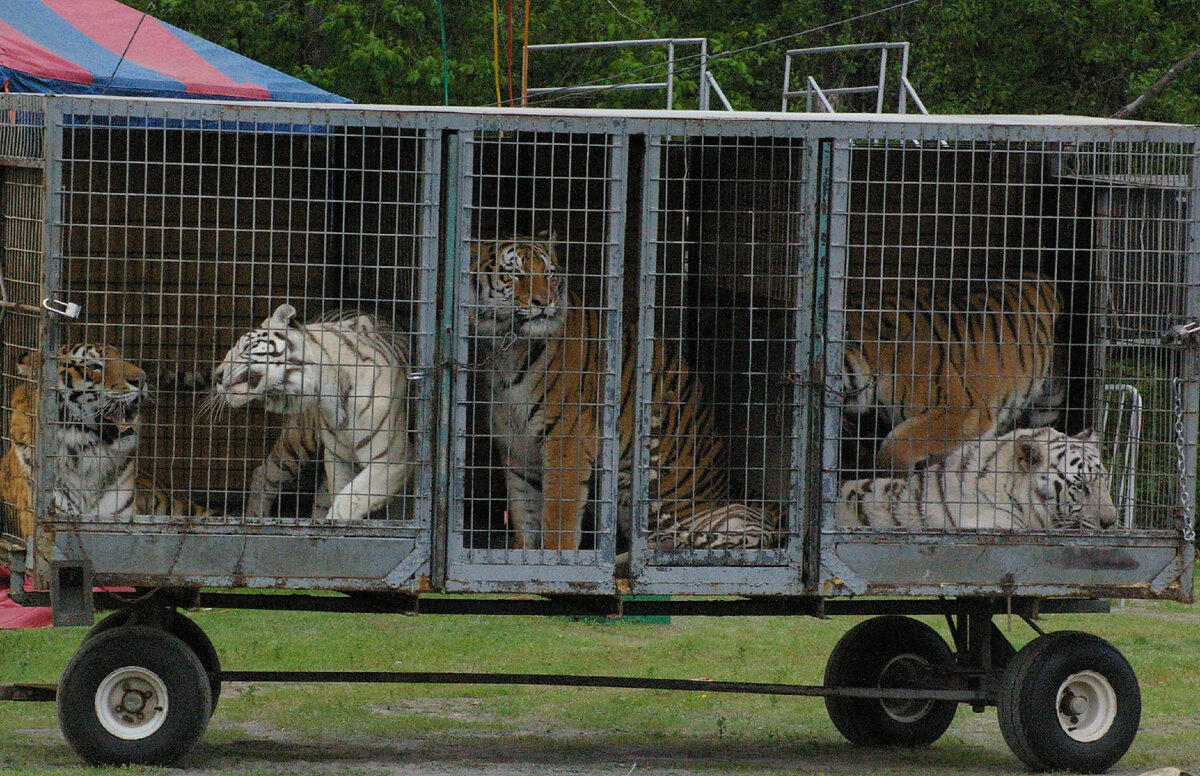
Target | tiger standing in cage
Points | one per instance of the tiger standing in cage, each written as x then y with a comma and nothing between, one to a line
90,450
945,371
545,366
342,380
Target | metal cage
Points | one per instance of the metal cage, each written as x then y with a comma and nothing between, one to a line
725,265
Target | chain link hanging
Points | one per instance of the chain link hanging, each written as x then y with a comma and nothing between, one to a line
1185,500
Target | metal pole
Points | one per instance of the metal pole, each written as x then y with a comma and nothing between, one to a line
671,75
787,75
882,79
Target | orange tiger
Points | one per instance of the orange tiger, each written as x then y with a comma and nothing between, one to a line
943,371
91,448
546,368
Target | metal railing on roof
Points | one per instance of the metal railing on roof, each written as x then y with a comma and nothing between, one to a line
817,98
707,84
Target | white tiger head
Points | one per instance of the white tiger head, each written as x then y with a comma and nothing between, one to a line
281,362
1066,473
517,288
261,364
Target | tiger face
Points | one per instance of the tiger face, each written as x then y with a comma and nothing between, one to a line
96,388
518,289
1069,474
263,364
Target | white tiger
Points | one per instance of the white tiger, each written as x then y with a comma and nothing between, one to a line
1028,479
347,376
293,464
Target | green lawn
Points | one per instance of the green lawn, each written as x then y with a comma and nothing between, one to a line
270,728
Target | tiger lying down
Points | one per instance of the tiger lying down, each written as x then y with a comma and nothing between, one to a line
342,382
1028,479
91,451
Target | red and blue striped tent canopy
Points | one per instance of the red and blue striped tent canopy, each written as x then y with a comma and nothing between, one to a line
104,47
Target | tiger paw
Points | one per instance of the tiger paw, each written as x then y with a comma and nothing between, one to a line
343,510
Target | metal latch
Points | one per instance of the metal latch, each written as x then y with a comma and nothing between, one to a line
68,309
1187,333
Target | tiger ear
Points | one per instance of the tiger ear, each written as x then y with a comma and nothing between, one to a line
1088,436
546,235
280,318
1028,453
364,324
29,364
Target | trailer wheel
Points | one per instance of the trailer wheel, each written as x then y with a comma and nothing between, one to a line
187,631
133,695
1069,701
891,652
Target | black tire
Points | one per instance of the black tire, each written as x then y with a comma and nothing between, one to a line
114,620
187,631
1069,701
133,695
888,652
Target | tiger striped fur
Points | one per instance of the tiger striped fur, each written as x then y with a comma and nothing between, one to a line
294,461
943,371
90,450
546,367
1028,479
344,382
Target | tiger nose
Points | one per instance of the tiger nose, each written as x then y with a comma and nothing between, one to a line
136,379
543,296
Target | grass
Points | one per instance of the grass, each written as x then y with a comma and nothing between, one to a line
275,728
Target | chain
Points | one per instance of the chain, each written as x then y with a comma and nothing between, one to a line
1185,499
506,344
795,378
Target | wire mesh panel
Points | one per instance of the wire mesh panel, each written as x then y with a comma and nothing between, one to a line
717,351
258,288
540,384
22,128
22,230
22,226
996,326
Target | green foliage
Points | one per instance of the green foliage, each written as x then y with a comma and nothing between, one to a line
969,56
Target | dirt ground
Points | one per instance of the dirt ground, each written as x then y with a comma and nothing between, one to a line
578,753
972,747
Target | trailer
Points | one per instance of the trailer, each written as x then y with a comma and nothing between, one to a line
705,430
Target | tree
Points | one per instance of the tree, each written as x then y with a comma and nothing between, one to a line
978,56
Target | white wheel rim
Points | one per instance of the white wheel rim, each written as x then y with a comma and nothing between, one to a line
1086,706
131,703
901,671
